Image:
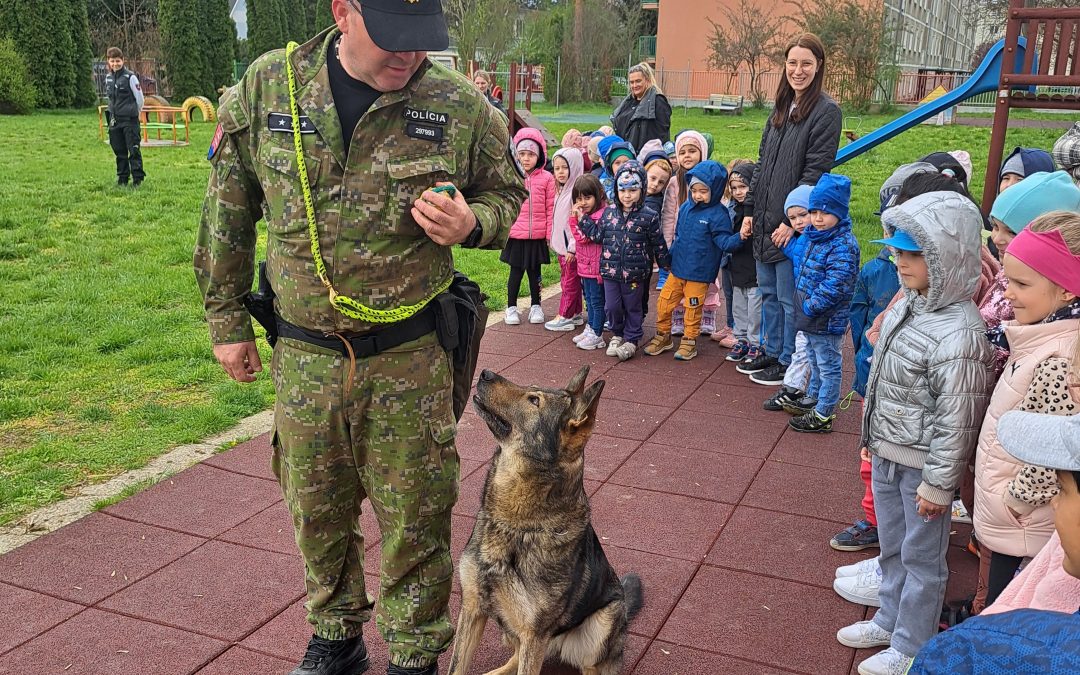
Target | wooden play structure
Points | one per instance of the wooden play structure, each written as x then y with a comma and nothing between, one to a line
518,117
165,120
1046,77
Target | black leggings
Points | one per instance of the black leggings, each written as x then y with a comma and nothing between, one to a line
513,284
1002,570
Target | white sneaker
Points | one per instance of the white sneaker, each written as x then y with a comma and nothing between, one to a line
626,351
864,635
886,662
708,322
583,334
536,314
677,323
512,317
858,568
613,346
591,342
960,513
861,589
559,324
578,320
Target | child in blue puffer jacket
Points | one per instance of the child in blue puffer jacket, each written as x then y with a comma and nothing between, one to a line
703,235
823,292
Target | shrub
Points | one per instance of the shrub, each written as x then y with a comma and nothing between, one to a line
17,94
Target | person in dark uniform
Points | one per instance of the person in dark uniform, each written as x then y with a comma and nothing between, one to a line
125,104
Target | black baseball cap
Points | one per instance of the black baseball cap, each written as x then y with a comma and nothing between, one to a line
405,25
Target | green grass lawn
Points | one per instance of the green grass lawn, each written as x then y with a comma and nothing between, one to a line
105,361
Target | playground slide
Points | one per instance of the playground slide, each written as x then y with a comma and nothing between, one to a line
984,79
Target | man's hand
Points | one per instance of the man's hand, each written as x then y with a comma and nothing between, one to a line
782,235
240,360
446,221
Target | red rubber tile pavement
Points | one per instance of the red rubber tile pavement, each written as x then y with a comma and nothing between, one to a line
251,458
20,625
93,558
723,512
202,500
220,589
101,643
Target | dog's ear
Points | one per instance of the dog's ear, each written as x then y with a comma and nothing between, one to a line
585,404
577,382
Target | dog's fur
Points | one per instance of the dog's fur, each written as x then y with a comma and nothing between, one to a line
533,562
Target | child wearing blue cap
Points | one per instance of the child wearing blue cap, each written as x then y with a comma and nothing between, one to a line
823,292
929,385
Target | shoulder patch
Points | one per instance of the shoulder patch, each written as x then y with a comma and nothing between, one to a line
216,143
232,113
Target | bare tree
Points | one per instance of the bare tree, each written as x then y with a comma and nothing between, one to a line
752,38
859,40
130,25
483,29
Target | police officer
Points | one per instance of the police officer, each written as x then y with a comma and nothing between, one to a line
125,105
363,405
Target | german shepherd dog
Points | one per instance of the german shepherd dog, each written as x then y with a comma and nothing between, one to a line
533,562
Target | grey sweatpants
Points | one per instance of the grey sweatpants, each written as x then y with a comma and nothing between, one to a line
747,313
913,567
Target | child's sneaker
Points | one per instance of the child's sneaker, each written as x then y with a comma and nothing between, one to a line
512,318
960,513
738,352
861,589
583,334
626,351
660,343
559,324
578,319
752,353
590,342
858,568
886,662
800,406
784,395
862,535
725,336
536,314
708,322
811,423
613,346
864,635
687,350
677,324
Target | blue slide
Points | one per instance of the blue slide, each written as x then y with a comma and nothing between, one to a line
984,79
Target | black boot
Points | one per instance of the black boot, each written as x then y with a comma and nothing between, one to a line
433,669
333,657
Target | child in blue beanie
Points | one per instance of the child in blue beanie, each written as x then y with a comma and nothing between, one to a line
823,290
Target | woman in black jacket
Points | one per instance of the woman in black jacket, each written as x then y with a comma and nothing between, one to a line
644,114
797,146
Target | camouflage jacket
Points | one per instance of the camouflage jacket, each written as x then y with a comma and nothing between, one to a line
373,249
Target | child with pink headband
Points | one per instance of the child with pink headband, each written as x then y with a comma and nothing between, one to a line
1013,517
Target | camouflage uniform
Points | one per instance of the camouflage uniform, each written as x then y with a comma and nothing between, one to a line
389,435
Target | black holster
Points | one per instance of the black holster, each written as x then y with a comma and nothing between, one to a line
260,306
460,321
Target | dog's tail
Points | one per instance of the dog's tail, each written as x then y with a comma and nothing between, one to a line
633,594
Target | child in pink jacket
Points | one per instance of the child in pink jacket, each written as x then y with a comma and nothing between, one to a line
527,248
588,196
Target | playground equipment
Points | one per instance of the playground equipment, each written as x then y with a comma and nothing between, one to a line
155,118
983,80
200,103
1056,67
519,118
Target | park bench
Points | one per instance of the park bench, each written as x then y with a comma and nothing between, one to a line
725,103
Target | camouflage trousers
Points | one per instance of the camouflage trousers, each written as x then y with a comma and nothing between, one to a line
390,439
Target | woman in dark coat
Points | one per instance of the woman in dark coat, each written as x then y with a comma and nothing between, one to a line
645,113
482,80
797,146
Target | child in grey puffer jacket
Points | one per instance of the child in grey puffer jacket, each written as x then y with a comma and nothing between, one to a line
929,385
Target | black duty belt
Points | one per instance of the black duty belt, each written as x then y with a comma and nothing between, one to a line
364,344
